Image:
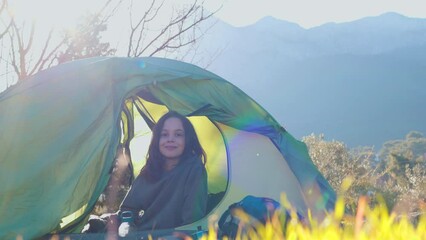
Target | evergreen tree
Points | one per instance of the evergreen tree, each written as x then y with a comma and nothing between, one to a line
85,40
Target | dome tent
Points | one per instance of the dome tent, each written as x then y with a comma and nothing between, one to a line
60,131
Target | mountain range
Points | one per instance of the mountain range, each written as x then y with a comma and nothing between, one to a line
361,82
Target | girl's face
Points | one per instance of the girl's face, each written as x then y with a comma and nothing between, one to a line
172,139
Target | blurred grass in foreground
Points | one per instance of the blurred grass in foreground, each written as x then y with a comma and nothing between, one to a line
376,223
369,222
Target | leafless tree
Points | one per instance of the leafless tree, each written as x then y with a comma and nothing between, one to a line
22,50
182,29
26,58
5,23
31,48
86,42
5,26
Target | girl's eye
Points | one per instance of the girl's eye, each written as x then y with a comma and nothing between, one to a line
163,134
179,134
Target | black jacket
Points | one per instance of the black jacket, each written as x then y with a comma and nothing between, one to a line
179,197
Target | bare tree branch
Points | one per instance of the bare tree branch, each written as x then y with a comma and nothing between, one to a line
177,20
6,30
192,55
3,5
49,56
104,17
142,21
13,58
42,60
30,40
3,8
171,37
23,68
182,30
142,34
22,72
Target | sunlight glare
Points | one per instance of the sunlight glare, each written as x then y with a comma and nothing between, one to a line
52,13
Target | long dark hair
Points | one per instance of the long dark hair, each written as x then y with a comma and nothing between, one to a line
153,168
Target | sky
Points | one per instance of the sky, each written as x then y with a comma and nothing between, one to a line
306,13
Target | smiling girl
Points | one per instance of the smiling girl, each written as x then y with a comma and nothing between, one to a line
171,189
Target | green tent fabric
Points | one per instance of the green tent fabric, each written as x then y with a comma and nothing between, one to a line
60,130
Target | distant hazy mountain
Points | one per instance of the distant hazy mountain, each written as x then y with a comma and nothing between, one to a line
361,82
